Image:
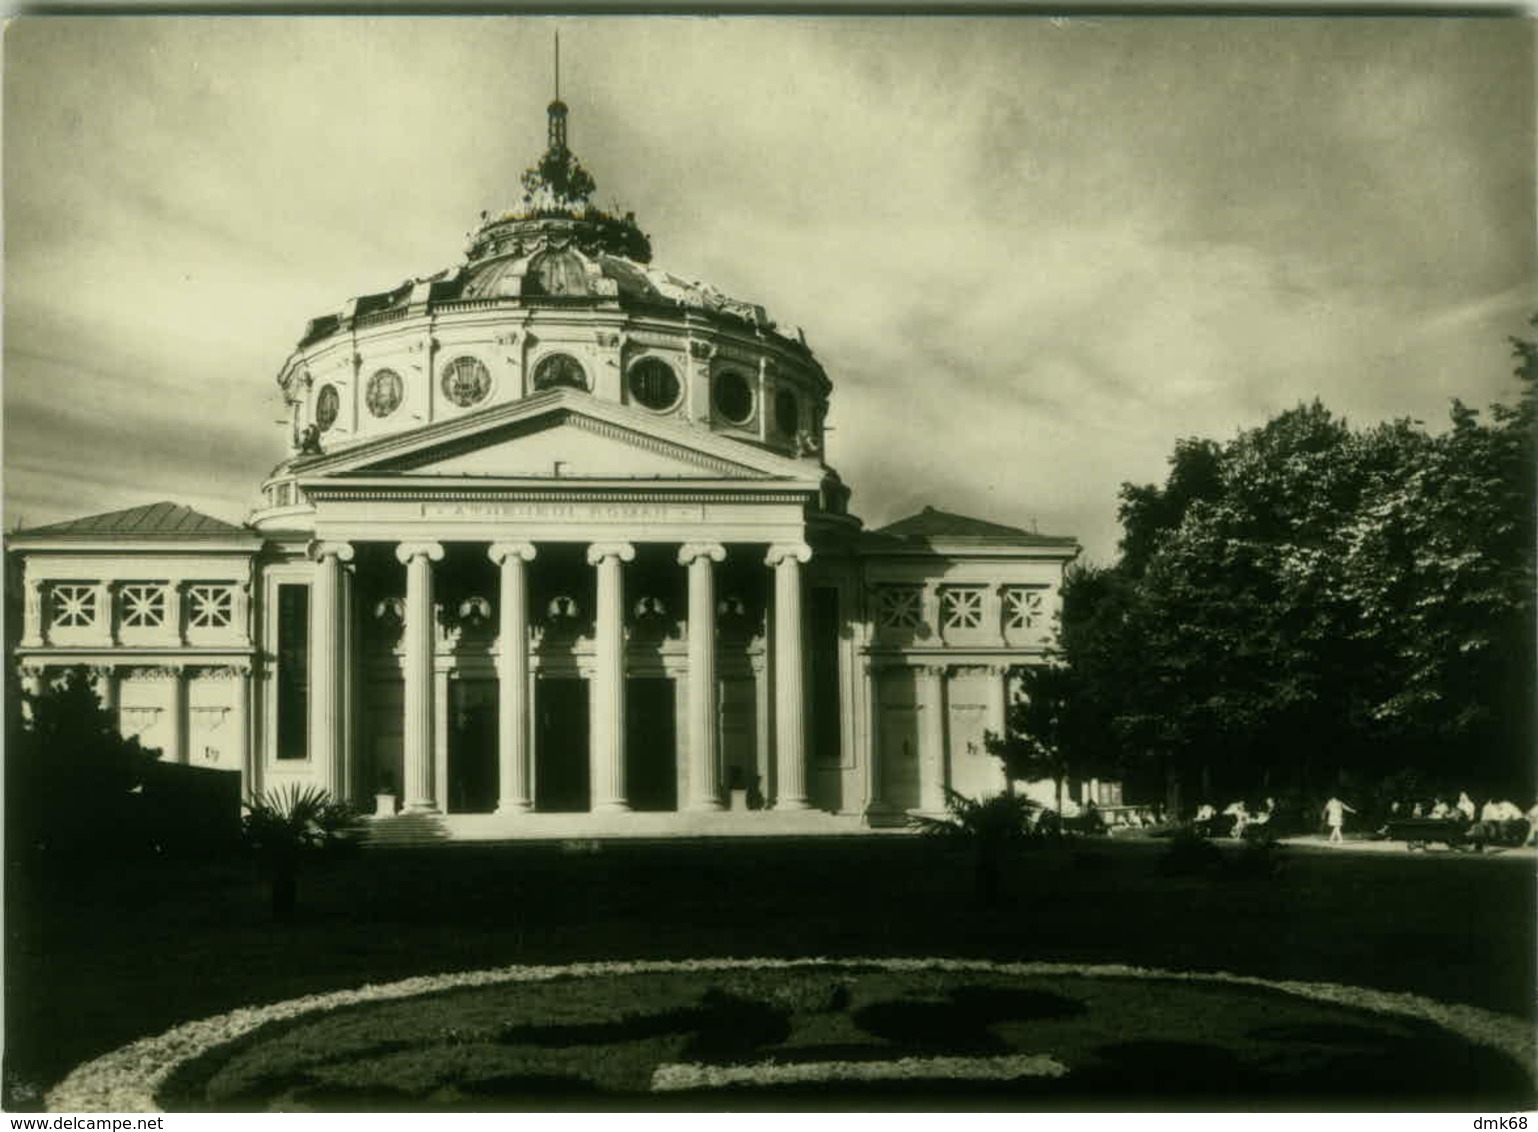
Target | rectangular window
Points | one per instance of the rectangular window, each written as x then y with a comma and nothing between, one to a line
293,671
210,607
1022,608
74,605
142,605
899,607
824,730
962,607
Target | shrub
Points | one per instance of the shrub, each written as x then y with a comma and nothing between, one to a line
1188,853
285,826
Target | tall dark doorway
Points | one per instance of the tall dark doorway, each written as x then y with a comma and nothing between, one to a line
651,746
560,747
472,746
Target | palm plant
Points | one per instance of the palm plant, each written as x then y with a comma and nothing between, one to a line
992,826
285,826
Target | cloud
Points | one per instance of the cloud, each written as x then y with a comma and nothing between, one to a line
1031,254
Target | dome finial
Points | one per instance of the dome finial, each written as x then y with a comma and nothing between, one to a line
557,107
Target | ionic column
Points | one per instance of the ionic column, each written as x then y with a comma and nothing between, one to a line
789,676
607,727
704,758
513,793
417,731
326,676
932,740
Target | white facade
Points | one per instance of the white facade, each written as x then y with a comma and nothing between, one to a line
556,548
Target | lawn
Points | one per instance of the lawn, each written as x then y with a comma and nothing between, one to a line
101,954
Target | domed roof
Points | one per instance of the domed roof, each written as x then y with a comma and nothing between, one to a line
557,247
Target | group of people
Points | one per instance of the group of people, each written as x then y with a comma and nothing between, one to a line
1243,816
1495,816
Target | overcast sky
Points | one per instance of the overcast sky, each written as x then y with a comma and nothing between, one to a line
1031,254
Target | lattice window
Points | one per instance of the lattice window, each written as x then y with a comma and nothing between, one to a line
962,607
1022,608
74,606
143,605
899,607
210,607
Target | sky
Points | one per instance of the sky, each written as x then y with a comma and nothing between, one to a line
1030,253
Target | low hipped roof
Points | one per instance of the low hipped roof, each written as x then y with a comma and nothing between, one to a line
932,525
164,520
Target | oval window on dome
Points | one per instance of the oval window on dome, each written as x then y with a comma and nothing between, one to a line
654,384
383,394
733,397
328,402
559,371
787,413
466,381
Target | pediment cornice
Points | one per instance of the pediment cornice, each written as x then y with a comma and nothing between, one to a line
399,454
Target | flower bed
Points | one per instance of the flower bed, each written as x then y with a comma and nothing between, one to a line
487,1039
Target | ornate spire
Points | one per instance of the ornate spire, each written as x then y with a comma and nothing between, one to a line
558,183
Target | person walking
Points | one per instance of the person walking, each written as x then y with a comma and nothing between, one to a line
1335,812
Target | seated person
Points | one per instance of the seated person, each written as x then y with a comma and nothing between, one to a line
1441,810
1205,812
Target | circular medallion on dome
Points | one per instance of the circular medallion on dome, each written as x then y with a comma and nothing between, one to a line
328,402
383,394
653,384
558,370
465,381
732,396
786,412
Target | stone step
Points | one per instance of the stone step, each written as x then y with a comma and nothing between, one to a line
427,829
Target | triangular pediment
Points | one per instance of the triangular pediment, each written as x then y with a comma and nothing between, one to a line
559,435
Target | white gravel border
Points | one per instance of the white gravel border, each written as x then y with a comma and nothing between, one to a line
127,1079
677,1076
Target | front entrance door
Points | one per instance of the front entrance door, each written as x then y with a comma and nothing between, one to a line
560,747
651,746
472,746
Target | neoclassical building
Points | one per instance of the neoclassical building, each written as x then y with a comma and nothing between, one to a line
556,550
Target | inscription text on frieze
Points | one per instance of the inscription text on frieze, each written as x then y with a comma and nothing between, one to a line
578,512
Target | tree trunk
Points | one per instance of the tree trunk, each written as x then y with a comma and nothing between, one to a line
285,890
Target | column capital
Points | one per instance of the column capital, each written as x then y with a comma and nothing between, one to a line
498,551
318,549
780,551
406,551
601,550
689,551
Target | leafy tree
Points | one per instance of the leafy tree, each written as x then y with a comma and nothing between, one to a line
1309,600
70,776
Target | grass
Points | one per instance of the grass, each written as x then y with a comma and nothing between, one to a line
1120,1040
101,953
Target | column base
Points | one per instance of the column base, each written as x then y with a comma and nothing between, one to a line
706,806
420,808
611,808
516,806
787,804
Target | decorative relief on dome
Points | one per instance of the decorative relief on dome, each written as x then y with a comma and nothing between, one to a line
466,381
559,371
328,403
384,392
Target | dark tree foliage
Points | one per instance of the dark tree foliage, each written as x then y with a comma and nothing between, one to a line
1306,604
70,777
